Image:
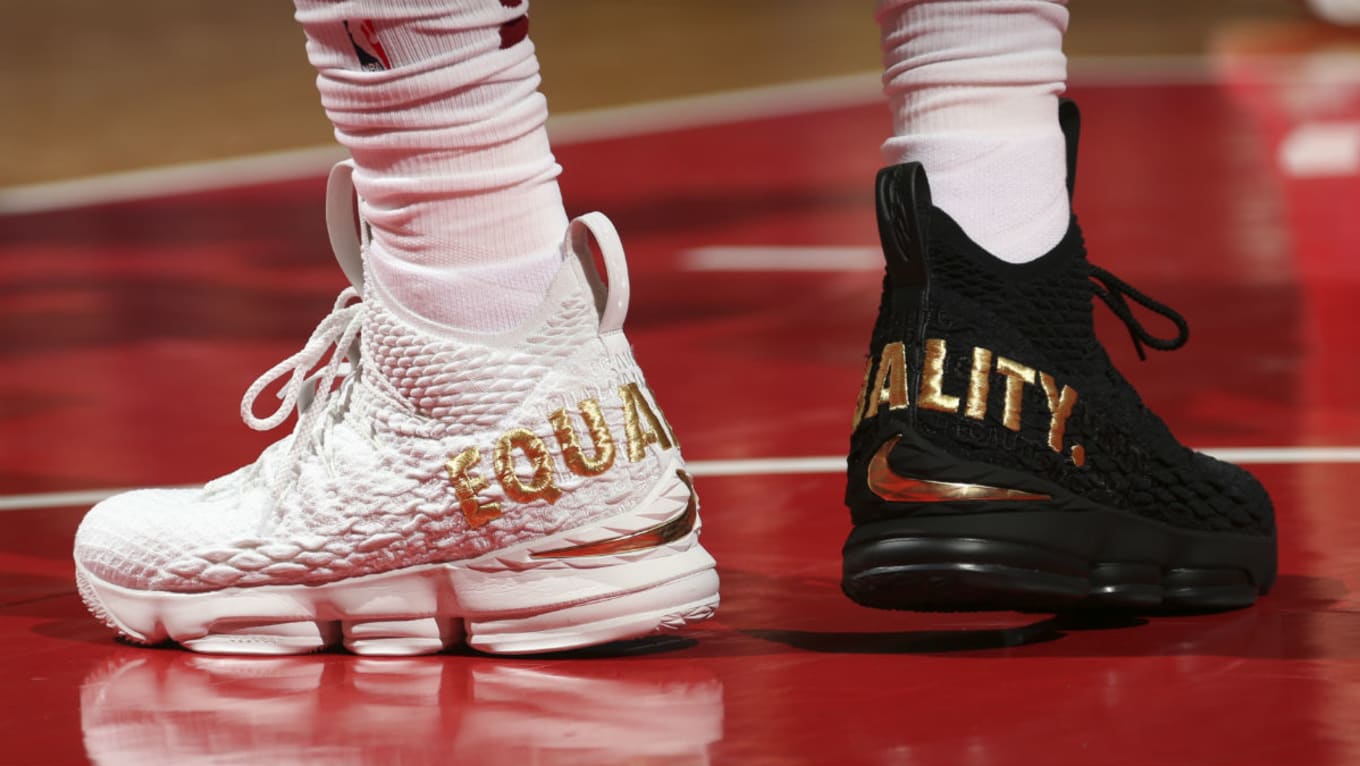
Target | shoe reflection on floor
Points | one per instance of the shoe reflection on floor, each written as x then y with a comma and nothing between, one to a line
171,707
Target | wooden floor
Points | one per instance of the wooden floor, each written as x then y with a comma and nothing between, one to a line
95,87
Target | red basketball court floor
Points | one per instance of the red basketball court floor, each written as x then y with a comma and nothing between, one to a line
130,329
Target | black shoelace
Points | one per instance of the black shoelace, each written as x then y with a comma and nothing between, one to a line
1116,292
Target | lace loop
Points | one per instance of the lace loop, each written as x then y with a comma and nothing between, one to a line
1115,292
336,334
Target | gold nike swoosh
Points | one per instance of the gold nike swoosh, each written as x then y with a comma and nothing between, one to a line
887,484
653,537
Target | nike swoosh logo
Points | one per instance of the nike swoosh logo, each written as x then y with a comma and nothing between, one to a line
653,537
887,484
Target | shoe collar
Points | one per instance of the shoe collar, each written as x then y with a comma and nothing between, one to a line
351,236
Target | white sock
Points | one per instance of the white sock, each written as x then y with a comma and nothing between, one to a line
438,103
973,87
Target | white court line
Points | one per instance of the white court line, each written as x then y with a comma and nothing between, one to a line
773,466
716,108
170,180
636,119
66,499
575,127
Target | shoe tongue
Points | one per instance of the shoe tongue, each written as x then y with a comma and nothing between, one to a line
903,201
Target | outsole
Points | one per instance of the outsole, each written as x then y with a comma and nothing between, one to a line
964,587
309,620
1048,561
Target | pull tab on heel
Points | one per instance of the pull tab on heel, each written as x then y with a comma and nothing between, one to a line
611,289
903,196
342,223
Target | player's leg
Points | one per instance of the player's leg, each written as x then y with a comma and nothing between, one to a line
998,460
973,91
476,450
439,105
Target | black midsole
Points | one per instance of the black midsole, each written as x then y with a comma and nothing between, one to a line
1069,543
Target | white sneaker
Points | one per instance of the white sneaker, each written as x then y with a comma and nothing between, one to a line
522,487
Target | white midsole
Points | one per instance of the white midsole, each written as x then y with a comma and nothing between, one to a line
501,588
431,590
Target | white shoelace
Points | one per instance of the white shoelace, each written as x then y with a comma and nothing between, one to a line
306,391
309,389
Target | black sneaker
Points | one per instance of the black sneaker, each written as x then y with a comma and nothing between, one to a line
1000,461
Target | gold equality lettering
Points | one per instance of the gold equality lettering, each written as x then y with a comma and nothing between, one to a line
573,454
638,433
979,384
932,395
1017,375
540,485
890,383
1060,407
466,484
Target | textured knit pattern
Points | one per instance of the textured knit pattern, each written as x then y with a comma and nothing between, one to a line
1039,314
370,492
